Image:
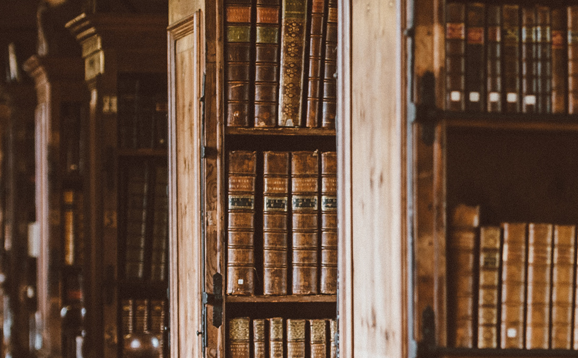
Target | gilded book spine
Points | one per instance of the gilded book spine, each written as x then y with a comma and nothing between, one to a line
160,226
494,58
455,56
475,40
79,228
69,227
318,338
332,338
305,210
488,298
136,219
329,104
563,261
141,315
544,59
511,56
259,338
315,62
573,59
267,63
158,323
513,285
275,223
127,316
276,337
328,280
239,339
559,62
241,223
529,60
293,25
295,338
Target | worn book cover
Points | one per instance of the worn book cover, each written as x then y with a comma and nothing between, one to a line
328,279
455,56
329,101
563,261
239,338
489,278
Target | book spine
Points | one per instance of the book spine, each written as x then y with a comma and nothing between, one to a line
259,338
69,227
328,279
332,338
489,277
544,59
160,226
293,24
563,261
275,222
572,59
455,56
79,228
239,339
529,60
305,210
513,285
494,59
267,63
141,315
238,37
136,215
559,62
127,316
329,99
241,223
317,338
475,41
295,338
462,240
316,43
276,337
511,56
158,323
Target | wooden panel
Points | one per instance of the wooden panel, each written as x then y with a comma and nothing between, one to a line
182,9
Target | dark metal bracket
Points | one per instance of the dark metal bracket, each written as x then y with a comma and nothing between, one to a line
426,112
215,299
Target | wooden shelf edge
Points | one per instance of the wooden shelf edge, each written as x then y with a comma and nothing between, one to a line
522,353
546,122
280,131
281,299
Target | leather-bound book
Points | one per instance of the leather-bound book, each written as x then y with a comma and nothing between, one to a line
316,31
332,341
293,37
136,219
295,338
127,316
239,338
305,227
328,277
141,315
241,223
267,62
529,60
544,60
69,225
488,298
238,37
563,261
318,338
275,222
538,286
79,247
513,285
455,56
559,62
462,241
572,59
329,97
158,323
475,40
276,337
160,226
259,339
511,56
494,59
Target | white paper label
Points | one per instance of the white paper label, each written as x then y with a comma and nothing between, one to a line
530,99
240,281
511,332
494,96
455,96
474,96
512,97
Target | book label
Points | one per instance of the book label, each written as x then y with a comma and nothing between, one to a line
267,15
275,204
455,31
328,203
557,40
241,202
267,35
238,33
494,34
511,34
476,36
295,8
455,96
304,203
572,37
238,14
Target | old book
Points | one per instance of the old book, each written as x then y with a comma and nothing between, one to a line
259,339
494,59
511,57
275,222
293,25
241,223
158,268
239,338
329,96
475,41
513,285
318,338
333,338
267,62
295,338
529,60
141,315
559,62
238,46
79,245
157,326
69,227
328,275
543,60
489,278
563,261
455,56
572,15
462,240
305,229
316,44
127,316
136,214
276,337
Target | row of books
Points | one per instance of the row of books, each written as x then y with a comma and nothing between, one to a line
144,316
313,338
73,227
514,284
281,61
291,203
511,58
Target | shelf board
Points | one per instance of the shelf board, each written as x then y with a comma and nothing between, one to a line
281,299
517,121
143,152
522,353
280,131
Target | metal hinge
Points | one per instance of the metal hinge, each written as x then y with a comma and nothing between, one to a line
216,300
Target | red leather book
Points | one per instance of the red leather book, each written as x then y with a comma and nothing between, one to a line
559,62
494,59
511,56
544,60
328,279
563,261
572,59
329,104
475,40
316,43
529,60
455,56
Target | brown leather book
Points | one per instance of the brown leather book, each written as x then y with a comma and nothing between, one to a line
259,338
455,56
488,298
329,101
305,230
276,337
136,214
538,286
543,59
127,316
317,338
79,247
328,279
239,339
475,41
238,37
511,56
275,222
494,58
295,338
513,285
529,60
160,238
462,240
267,62
141,315
316,43
559,62
241,223
158,323
572,59
562,286
293,26
69,227
332,341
